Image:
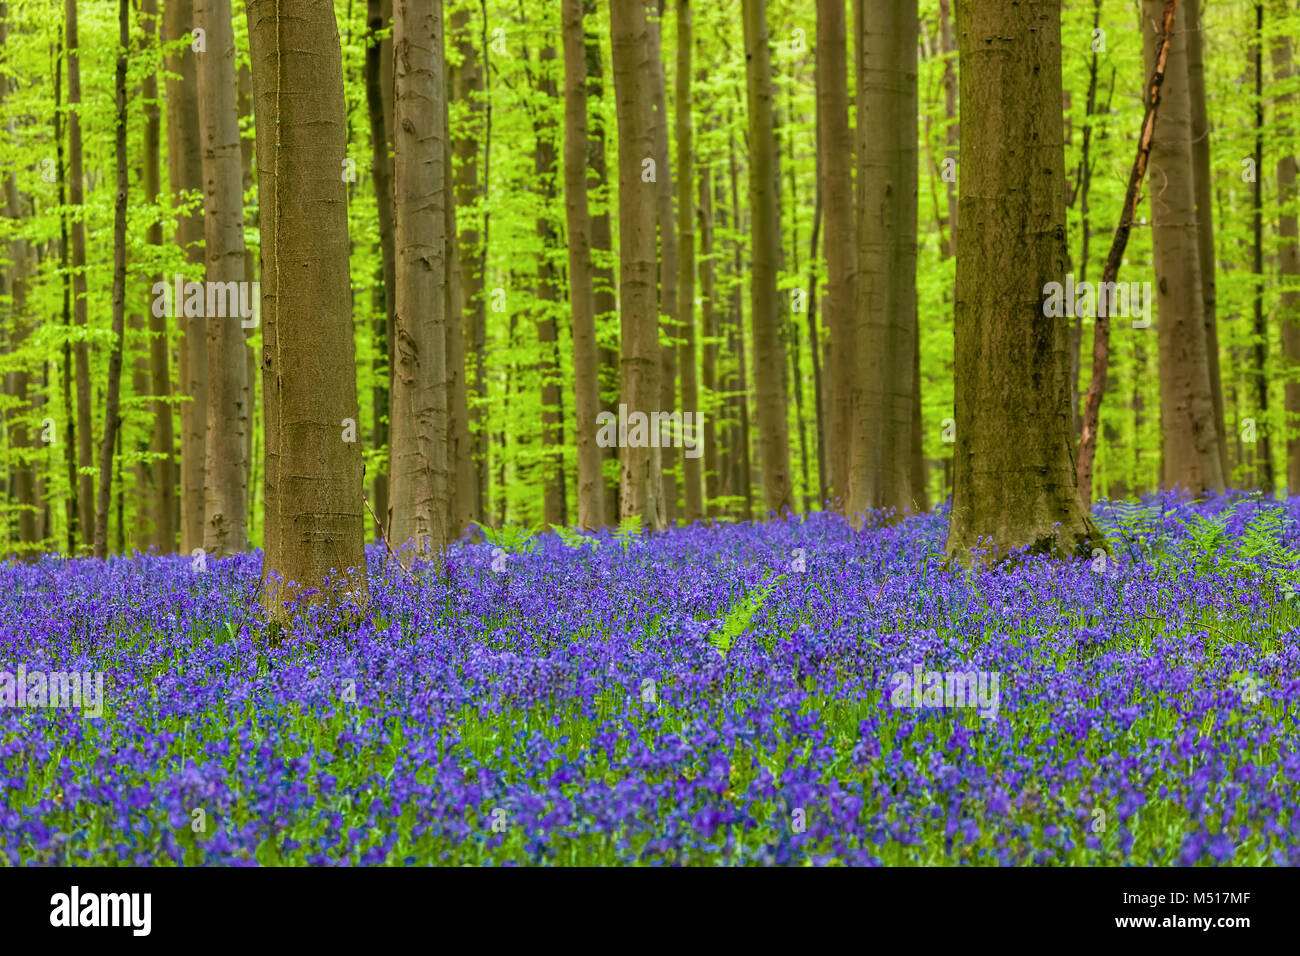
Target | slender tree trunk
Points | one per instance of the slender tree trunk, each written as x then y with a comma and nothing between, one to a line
765,308
950,114
606,305
1014,482
313,512
709,350
245,101
378,18
111,420
1190,434
419,397
881,443
1200,133
669,256
841,240
742,483
460,453
225,470
1263,445
72,508
81,350
641,487
691,467
586,386
1288,231
467,89
813,340
185,169
16,384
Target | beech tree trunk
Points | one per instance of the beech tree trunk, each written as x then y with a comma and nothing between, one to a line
313,509
1288,253
225,509
1014,481
641,485
692,499
771,385
1190,434
81,349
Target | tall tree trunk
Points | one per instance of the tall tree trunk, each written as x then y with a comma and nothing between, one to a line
419,398
185,171
245,100
765,308
693,500
840,243
669,255
641,486
742,481
378,17
467,89
1205,217
1264,446
1190,434
1014,481
16,382
161,486
71,507
709,350
606,304
81,350
225,511
881,444
1288,231
460,453
313,511
586,386
111,420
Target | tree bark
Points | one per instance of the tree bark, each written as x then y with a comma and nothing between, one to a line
709,346
586,386
313,510
692,498
641,485
225,470
1190,434
840,242
881,443
1014,480
1288,253
1264,458
765,309
111,420
460,453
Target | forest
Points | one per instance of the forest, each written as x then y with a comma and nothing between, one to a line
665,372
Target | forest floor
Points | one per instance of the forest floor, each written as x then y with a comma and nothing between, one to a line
792,692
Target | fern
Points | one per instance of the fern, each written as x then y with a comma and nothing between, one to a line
573,538
509,537
741,613
628,529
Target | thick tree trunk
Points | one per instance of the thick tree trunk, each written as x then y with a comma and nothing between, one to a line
1190,434
419,398
765,306
185,171
586,386
112,423
1014,481
313,508
377,19
840,242
641,487
881,443
81,350
1288,253
225,470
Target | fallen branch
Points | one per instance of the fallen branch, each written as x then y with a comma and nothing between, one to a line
378,524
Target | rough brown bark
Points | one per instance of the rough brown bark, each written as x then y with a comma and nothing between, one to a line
1188,428
419,397
313,506
840,242
225,469
1014,481
771,385
586,386
641,486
